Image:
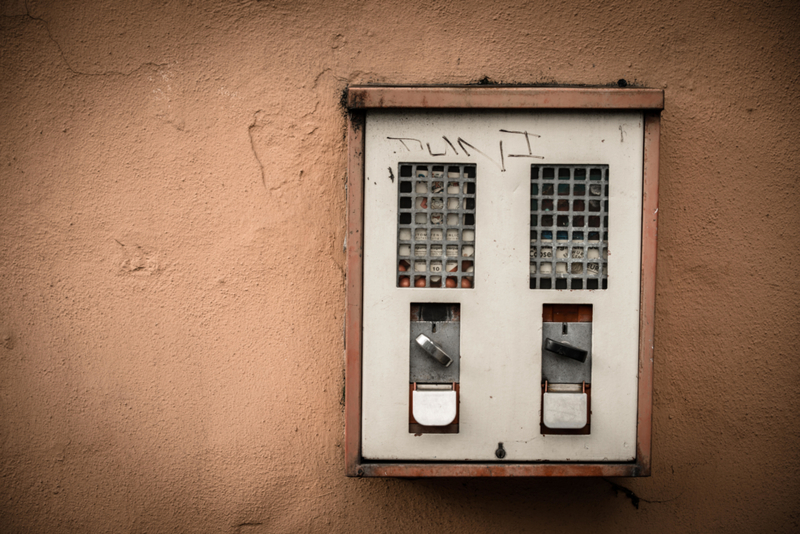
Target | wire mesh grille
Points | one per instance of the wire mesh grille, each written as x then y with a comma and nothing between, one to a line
436,225
569,227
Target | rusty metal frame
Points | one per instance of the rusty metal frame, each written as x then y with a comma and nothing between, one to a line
361,98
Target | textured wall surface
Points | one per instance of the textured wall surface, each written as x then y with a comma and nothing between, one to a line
171,260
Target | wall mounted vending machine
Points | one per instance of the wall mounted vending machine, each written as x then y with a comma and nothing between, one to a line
501,280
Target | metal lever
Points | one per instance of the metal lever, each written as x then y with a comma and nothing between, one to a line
564,349
435,350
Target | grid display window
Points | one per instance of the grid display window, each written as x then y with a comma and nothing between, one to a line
569,227
436,226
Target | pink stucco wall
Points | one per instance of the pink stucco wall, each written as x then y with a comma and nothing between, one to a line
172,263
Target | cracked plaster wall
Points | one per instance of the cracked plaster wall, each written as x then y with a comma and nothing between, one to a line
171,260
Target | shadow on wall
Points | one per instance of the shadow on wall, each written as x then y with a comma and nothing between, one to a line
516,502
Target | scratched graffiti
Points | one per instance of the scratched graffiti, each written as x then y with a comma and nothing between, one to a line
517,141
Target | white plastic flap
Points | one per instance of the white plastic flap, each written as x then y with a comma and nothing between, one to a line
434,408
564,410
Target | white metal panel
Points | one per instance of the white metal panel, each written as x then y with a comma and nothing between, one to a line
501,318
